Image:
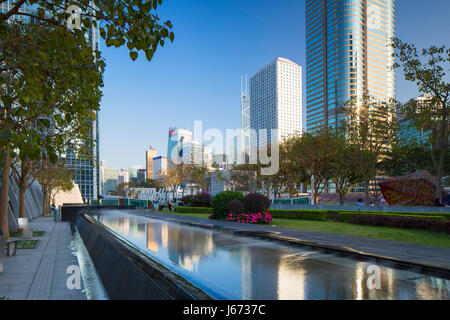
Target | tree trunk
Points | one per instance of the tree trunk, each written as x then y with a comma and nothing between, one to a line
441,162
341,197
44,200
366,190
4,195
22,189
316,196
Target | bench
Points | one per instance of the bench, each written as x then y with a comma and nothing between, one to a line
11,247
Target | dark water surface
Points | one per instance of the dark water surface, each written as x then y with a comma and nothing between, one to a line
234,267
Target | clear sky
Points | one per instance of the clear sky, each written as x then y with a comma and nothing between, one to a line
198,77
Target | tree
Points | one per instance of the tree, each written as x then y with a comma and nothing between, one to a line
121,187
130,22
406,157
197,176
48,101
53,178
24,172
343,170
428,71
173,178
371,127
134,23
311,155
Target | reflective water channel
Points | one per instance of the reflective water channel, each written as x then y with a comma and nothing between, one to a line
227,266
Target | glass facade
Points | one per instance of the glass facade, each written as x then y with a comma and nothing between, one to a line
347,55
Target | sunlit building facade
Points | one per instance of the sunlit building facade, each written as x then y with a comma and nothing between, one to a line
275,102
347,56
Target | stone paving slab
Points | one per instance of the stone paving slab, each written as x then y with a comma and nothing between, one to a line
40,274
408,252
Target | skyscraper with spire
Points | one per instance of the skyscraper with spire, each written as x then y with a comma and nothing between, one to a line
245,109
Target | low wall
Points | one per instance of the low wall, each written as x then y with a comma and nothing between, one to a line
362,208
127,273
69,212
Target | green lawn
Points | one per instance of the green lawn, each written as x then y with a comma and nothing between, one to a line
384,233
35,234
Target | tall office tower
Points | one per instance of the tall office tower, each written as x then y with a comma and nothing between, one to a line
149,155
159,167
177,138
347,55
245,109
276,100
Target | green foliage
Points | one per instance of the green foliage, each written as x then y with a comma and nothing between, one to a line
194,210
235,207
49,90
370,127
428,71
145,184
220,202
256,203
406,157
128,22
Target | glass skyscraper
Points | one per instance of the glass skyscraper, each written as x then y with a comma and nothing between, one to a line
347,55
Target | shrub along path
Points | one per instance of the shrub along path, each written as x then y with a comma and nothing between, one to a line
427,247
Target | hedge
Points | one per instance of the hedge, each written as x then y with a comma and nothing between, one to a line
437,225
323,215
194,210
438,222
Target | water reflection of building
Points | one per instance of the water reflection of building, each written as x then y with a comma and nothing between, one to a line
187,246
184,247
259,280
291,280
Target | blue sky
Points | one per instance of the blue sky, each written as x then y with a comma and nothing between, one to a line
198,77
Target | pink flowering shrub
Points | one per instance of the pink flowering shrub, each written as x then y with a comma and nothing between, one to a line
252,218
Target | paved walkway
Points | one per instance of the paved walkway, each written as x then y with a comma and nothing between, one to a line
408,252
40,274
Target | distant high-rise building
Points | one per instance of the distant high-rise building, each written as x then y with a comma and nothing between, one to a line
245,109
347,56
149,155
407,132
124,176
110,179
177,138
142,175
159,167
133,172
276,100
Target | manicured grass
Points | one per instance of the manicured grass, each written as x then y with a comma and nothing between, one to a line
35,234
197,215
383,233
27,244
